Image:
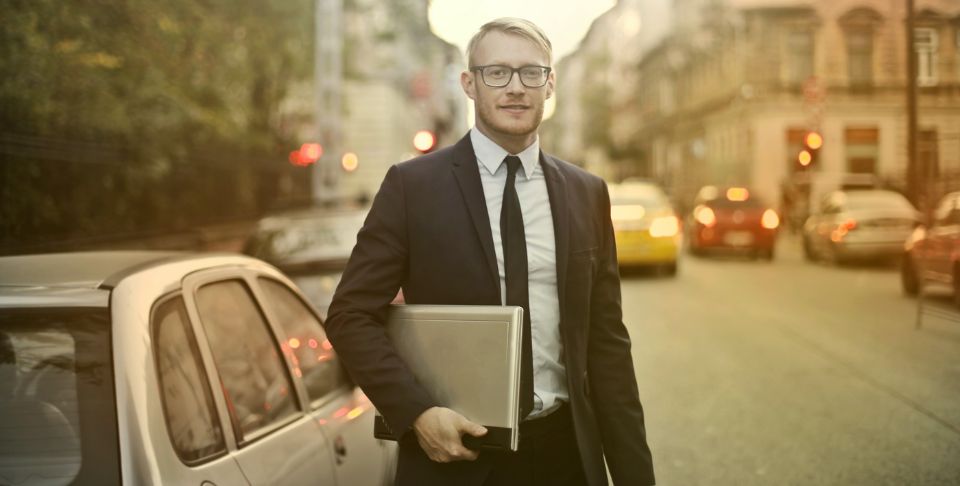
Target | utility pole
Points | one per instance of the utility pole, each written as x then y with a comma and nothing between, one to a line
916,174
328,83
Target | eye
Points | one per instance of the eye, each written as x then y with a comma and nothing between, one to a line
497,71
531,72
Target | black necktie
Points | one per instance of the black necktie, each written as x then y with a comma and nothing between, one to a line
515,265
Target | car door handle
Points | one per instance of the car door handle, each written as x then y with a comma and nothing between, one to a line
340,449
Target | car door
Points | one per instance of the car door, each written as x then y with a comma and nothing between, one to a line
194,429
273,440
342,410
944,243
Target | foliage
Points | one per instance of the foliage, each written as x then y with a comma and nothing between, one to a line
124,116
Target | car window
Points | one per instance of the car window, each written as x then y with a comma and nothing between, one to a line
58,418
311,352
724,203
184,389
254,376
872,200
831,208
953,217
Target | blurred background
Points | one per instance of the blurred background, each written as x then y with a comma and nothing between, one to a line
784,177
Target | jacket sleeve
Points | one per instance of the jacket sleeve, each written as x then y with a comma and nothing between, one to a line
612,381
355,324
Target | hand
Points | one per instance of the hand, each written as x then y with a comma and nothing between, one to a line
438,432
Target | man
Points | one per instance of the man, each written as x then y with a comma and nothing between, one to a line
493,220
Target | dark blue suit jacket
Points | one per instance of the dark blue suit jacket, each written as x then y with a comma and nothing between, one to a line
428,233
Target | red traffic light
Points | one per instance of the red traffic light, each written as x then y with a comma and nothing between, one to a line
311,152
424,141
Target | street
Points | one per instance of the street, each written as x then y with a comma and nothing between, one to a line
793,373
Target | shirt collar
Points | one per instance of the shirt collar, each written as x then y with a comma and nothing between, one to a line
491,155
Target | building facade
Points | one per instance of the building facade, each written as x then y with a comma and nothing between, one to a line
730,94
596,95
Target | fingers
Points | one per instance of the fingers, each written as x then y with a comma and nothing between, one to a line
448,452
438,433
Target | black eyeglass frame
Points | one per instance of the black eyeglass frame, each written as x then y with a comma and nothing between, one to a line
513,70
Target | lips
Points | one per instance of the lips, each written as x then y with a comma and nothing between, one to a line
514,108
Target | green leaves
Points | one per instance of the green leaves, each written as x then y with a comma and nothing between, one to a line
121,114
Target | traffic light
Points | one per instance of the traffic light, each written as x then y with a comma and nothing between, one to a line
807,158
425,141
812,143
309,153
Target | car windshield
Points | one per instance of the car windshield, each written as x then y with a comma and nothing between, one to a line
722,202
647,200
57,407
873,200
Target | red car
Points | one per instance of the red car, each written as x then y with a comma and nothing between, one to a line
932,254
731,218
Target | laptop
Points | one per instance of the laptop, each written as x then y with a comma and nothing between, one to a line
468,359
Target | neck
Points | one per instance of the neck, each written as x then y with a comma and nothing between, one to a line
514,144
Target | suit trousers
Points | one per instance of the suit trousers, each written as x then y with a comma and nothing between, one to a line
547,455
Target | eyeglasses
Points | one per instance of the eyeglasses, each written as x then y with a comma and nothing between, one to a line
498,75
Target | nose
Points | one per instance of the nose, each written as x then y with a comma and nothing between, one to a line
515,85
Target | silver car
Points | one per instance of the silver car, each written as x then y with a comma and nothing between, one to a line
859,224
167,368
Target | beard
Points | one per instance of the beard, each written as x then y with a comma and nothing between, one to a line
504,124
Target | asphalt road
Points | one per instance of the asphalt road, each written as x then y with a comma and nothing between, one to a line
793,373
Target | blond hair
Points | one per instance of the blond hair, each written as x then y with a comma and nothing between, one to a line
515,26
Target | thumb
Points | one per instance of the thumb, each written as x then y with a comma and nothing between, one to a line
473,429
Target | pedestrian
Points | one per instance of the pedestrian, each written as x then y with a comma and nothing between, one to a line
494,220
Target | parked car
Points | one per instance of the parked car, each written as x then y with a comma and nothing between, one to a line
859,224
646,228
312,246
932,255
732,218
169,368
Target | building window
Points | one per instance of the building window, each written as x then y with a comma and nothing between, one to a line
928,153
862,146
799,57
925,43
860,57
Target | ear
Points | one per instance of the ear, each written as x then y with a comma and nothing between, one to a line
468,83
551,84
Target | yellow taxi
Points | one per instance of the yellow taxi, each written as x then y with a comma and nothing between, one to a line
646,227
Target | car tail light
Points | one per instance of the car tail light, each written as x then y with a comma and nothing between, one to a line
705,216
738,194
664,226
770,219
842,230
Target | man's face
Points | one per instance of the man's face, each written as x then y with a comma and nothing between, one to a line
513,111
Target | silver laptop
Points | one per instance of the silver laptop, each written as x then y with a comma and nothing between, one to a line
468,359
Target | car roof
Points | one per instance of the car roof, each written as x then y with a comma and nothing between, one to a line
868,193
636,189
88,270
85,279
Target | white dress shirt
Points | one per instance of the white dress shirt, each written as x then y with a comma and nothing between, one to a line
549,374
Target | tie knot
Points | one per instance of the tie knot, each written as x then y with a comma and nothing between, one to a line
513,163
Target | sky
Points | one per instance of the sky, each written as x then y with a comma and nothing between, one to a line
564,21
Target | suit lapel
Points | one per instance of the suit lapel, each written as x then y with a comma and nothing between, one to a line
467,173
557,190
